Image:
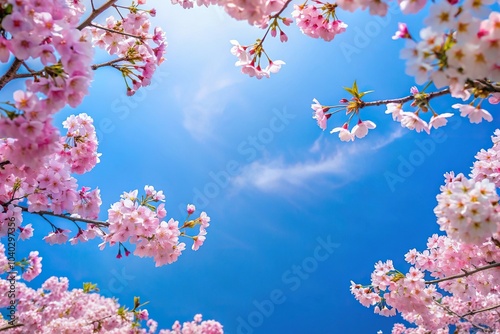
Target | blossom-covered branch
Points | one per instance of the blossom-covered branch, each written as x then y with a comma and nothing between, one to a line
465,274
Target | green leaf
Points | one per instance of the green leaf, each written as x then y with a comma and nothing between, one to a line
364,93
89,287
137,302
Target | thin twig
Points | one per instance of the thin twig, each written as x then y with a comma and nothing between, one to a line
96,13
404,99
466,273
449,310
108,63
98,223
6,328
481,310
98,26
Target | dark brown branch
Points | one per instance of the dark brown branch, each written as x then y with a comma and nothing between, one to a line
4,163
404,99
108,63
11,73
6,328
73,219
96,13
94,67
466,273
481,310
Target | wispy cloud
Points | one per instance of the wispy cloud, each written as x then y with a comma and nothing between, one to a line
279,175
208,99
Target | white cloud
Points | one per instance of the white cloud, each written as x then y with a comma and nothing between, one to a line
202,105
278,175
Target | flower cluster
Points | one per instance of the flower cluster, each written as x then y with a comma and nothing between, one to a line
455,47
129,39
50,187
249,59
435,305
255,12
55,309
138,221
195,326
80,147
468,210
487,165
315,22
464,264
50,34
322,113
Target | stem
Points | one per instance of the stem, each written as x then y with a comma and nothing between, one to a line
11,72
449,310
115,31
73,219
6,328
41,72
481,310
466,273
4,163
96,13
275,16
108,63
403,99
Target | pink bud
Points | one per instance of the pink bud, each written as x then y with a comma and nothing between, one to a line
283,37
191,209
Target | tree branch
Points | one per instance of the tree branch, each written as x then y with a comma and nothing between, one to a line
404,99
11,72
450,311
96,13
108,63
481,310
6,328
73,219
466,273
98,26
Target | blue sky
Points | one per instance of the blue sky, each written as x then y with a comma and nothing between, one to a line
281,193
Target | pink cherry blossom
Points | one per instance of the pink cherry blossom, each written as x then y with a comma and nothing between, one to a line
360,130
439,120
344,133
475,114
